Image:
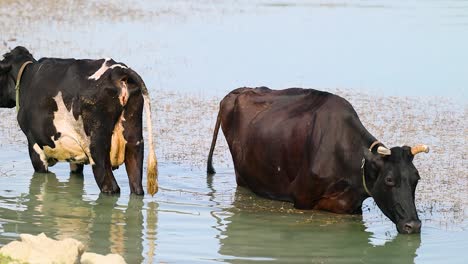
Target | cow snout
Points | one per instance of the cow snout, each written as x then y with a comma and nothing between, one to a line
410,227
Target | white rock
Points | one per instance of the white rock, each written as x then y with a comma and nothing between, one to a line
92,258
41,249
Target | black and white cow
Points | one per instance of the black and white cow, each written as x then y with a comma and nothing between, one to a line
81,112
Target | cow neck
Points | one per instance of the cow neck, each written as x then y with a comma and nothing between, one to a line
363,163
18,80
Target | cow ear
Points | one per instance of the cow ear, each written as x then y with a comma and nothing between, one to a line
5,67
375,160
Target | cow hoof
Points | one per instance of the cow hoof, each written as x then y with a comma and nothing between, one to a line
108,190
210,170
41,170
138,192
76,168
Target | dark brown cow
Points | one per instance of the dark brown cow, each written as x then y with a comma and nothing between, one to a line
309,147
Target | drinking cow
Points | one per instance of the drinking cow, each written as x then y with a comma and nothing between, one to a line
309,147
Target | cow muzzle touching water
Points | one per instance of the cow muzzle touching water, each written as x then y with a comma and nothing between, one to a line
307,146
394,179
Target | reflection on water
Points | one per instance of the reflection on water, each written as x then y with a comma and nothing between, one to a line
58,209
199,219
255,236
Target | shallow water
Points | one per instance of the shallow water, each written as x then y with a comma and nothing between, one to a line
195,219
402,64
211,47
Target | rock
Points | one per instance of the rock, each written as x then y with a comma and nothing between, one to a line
92,258
41,249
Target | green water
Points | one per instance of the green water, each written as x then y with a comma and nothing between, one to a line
195,219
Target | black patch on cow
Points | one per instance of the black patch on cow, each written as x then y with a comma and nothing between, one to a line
96,102
76,107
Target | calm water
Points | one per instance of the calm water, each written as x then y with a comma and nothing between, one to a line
194,219
206,48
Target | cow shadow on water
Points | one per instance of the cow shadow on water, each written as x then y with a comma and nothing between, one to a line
256,230
60,210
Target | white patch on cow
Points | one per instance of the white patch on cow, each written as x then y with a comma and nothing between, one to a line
123,97
104,67
73,144
117,153
100,71
279,168
41,154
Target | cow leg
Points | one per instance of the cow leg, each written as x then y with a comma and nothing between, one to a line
102,168
38,158
301,189
239,180
134,167
76,168
345,202
133,134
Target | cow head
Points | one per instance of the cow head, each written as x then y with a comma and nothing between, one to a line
9,68
392,179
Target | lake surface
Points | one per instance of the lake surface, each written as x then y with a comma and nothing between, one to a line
195,219
402,64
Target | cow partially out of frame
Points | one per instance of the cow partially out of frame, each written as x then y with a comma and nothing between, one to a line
81,112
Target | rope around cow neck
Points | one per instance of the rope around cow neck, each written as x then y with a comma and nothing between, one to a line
363,162
18,80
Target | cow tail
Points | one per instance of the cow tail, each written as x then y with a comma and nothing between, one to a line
152,168
209,166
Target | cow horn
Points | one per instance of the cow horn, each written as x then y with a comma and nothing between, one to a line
419,148
384,151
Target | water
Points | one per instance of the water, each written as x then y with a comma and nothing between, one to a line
211,47
375,53
194,219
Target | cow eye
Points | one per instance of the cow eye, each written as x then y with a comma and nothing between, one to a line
389,181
